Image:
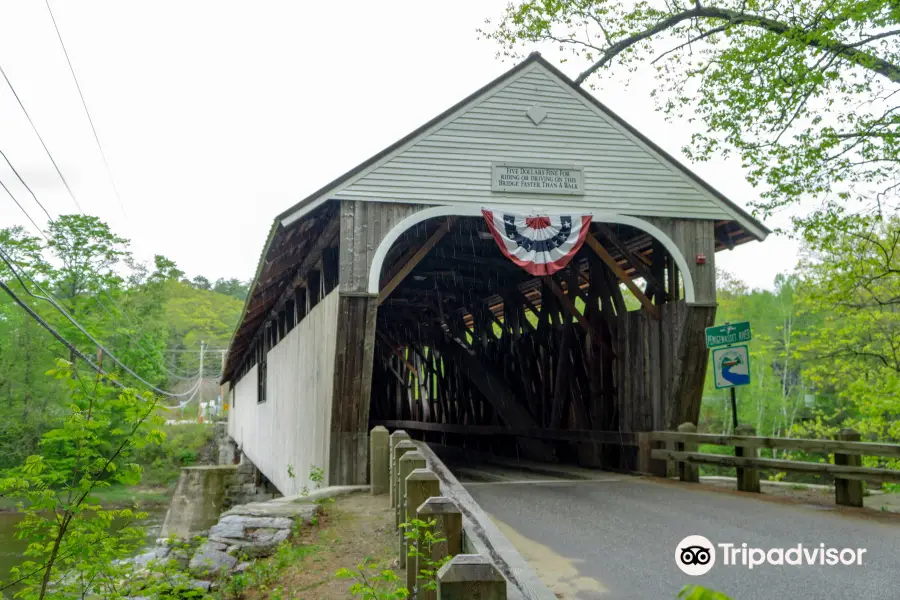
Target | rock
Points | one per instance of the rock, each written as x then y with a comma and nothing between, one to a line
241,567
276,508
199,584
208,561
232,528
217,546
161,552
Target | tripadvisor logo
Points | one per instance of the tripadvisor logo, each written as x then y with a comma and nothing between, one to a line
696,555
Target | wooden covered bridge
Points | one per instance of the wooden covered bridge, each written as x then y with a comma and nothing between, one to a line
386,296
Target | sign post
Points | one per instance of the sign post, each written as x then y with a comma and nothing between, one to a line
731,362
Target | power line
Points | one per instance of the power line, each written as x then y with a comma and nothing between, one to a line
22,181
59,337
38,134
170,368
64,313
22,208
84,104
71,346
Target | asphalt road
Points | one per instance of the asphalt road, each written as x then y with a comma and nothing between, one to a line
614,538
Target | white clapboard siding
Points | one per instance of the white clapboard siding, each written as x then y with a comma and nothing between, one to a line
292,426
452,164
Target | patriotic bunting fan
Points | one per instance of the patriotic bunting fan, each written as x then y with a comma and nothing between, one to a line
542,245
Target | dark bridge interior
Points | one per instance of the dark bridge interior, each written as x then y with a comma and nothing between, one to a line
472,351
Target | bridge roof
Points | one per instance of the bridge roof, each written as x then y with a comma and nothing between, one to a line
447,160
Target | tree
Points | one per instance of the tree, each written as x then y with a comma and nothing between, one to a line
88,252
854,352
805,91
200,282
75,546
232,287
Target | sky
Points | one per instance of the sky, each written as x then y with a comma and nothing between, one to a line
215,116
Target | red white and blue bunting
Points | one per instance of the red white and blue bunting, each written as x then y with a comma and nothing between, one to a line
540,244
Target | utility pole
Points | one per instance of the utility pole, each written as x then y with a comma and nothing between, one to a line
200,387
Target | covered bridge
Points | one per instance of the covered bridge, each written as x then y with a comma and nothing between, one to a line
385,296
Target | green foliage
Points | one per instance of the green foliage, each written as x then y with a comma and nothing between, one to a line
181,447
137,311
74,542
696,592
802,91
317,476
373,583
421,540
823,346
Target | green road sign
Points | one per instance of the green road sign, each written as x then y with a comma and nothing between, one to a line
723,335
731,366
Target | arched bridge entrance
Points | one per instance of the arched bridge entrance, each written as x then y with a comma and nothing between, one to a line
471,350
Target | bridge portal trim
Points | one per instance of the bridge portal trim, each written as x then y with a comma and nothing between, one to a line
475,211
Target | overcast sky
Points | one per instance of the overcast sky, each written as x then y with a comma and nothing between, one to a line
217,115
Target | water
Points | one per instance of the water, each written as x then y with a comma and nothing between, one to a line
11,548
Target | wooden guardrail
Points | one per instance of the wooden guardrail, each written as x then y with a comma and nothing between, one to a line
561,435
847,469
397,466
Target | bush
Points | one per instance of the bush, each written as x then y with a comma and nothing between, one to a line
182,448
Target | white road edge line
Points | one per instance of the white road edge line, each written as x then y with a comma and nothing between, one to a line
527,481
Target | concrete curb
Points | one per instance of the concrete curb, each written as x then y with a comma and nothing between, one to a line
328,492
483,537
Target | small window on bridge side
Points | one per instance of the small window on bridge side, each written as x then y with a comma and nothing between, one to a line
261,368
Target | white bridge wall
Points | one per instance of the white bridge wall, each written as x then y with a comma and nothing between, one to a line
292,427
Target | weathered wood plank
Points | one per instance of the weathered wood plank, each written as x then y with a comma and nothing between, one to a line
563,435
416,258
823,446
858,473
604,255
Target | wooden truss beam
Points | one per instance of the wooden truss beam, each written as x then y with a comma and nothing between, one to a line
598,248
398,354
640,267
572,310
416,258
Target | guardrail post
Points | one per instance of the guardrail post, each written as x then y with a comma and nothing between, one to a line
848,492
747,479
646,463
687,471
470,577
421,485
396,437
379,460
402,448
409,462
448,525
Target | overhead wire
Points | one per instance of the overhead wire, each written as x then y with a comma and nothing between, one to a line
60,337
5,258
171,368
38,134
22,208
84,104
75,351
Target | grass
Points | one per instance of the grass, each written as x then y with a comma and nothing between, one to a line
122,496
352,529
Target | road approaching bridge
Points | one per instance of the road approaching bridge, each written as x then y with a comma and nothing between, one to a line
614,537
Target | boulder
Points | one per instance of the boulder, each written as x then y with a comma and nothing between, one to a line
209,561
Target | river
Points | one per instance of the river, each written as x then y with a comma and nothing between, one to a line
11,548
